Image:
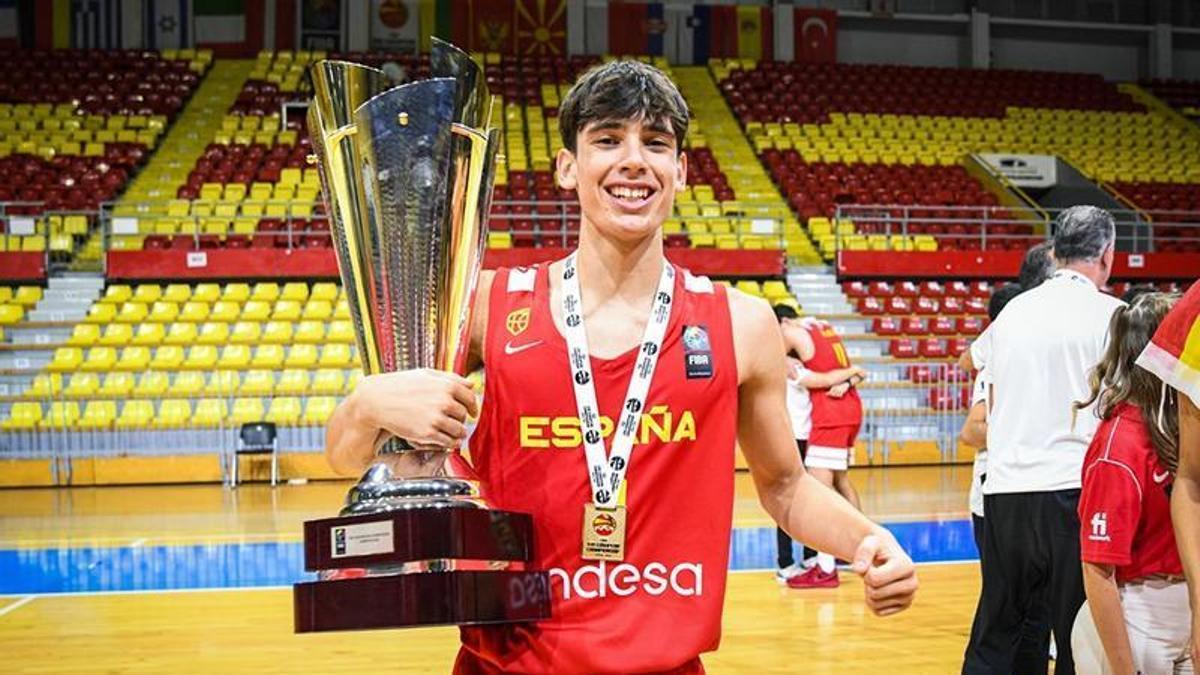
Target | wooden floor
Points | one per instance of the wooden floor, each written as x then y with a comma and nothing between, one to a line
767,628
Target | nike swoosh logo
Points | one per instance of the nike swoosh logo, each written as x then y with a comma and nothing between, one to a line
1158,478
510,349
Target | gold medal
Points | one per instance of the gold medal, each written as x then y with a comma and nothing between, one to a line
603,533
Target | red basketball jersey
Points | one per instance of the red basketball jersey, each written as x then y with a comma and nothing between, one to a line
1125,503
830,354
660,607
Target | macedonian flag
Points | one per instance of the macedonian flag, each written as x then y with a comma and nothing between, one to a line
1174,352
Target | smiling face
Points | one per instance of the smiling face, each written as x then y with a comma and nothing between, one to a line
626,173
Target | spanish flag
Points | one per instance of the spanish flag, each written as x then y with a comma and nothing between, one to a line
1174,352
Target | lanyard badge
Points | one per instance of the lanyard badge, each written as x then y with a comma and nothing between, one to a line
604,518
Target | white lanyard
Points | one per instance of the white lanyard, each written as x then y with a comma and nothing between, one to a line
606,476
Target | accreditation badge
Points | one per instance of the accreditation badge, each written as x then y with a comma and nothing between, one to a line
603,533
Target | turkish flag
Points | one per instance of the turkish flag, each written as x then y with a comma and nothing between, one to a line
815,34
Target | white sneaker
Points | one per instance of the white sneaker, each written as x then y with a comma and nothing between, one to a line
783,574
809,563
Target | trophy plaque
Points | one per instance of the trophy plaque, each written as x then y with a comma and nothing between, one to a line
406,175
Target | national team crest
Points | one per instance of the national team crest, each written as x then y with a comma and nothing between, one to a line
517,321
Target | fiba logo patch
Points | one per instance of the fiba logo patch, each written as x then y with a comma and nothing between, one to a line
339,541
697,352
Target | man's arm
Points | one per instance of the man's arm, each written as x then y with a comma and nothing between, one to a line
1185,506
427,408
796,339
974,429
812,379
799,503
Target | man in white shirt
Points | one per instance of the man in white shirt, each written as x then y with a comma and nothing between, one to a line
1039,353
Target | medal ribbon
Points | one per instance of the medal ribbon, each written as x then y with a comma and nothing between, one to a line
606,474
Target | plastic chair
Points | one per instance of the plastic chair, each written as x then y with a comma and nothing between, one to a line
257,438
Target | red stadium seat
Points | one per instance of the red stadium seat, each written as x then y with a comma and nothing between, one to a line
976,306
908,289
926,306
903,348
952,305
870,306
959,345
898,305
914,326
885,325
971,325
933,348
943,325
855,289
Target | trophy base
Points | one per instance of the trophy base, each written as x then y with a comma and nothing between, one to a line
421,599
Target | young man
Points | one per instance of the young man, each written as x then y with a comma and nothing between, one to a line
836,418
799,404
613,347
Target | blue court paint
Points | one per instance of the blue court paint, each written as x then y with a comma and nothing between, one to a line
240,565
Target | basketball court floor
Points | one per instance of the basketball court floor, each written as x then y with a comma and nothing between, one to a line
197,579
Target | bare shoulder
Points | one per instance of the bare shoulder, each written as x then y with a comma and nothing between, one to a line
754,327
479,314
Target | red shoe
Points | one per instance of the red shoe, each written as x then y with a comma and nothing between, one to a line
815,578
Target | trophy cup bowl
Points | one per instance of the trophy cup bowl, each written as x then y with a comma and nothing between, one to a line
406,175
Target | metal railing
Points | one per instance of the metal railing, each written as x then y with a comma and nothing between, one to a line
987,227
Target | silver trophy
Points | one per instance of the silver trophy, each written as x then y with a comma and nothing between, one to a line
407,175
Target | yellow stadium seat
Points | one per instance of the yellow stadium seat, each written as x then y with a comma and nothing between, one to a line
209,412
117,334
286,310
147,293
163,312
749,287
6,294
60,415
284,411
340,331
318,409
775,289
247,410
173,413
117,294
213,333
317,310
237,293
301,356
267,356
208,293
265,291
180,333
66,359
27,296
97,313
310,332
341,310
201,357
99,415
225,310
130,312
194,311
328,382
292,382
277,332
151,384
234,356
84,335
256,310
245,332
335,355
45,385
186,383
100,359
133,359
257,383
324,290
136,414
223,383
176,293
27,414
167,357
82,384
117,384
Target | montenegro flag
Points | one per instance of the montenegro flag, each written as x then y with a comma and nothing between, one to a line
1174,352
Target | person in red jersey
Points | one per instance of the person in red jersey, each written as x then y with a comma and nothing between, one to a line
1132,573
616,385
836,418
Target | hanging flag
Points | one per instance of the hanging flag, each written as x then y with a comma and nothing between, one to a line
52,24
815,32
485,25
714,32
395,25
636,28
541,27
229,27
1174,352
755,33
167,24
